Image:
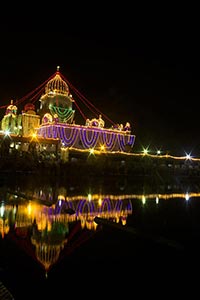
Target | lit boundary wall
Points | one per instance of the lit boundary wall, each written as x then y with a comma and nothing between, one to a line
84,137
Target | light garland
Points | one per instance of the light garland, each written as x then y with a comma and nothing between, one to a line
85,205
89,138
68,137
65,114
121,198
83,137
109,140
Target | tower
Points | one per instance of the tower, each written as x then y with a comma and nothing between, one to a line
11,122
56,103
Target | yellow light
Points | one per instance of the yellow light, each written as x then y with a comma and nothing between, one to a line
100,201
29,208
145,151
143,199
187,196
61,197
2,209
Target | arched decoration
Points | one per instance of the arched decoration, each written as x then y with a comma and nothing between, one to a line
47,118
68,136
59,205
106,203
118,205
124,140
70,204
109,139
51,132
89,138
130,140
62,205
83,137
129,206
65,114
44,132
84,203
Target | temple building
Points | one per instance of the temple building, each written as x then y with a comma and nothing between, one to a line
54,120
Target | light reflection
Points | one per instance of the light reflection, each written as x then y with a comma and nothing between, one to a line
50,227
157,199
143,199
50,223
187,196
2,208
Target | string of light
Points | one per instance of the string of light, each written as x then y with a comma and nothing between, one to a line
27,96
86,101
38,91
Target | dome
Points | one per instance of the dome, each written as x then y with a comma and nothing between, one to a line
11,109
57,85
29,106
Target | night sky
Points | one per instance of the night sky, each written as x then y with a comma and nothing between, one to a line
148,76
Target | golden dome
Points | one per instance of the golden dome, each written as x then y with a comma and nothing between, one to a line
57,85
47,254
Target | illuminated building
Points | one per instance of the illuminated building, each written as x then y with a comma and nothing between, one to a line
55,120
30,120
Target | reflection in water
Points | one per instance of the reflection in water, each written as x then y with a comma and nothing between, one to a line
46,221
49,224
76,229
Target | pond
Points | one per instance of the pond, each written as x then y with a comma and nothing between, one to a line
75,233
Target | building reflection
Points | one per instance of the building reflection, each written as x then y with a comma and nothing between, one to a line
49,223
45,226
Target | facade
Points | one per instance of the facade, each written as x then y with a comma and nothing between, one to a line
55,120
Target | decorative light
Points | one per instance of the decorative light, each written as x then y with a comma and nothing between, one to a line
143,199
92,151
2,209
29,208
187,197
145,151
34,135
99,201
7,132
188,156
84,137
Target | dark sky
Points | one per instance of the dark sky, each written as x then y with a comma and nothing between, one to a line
147,75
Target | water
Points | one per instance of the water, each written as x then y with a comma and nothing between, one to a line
72,235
